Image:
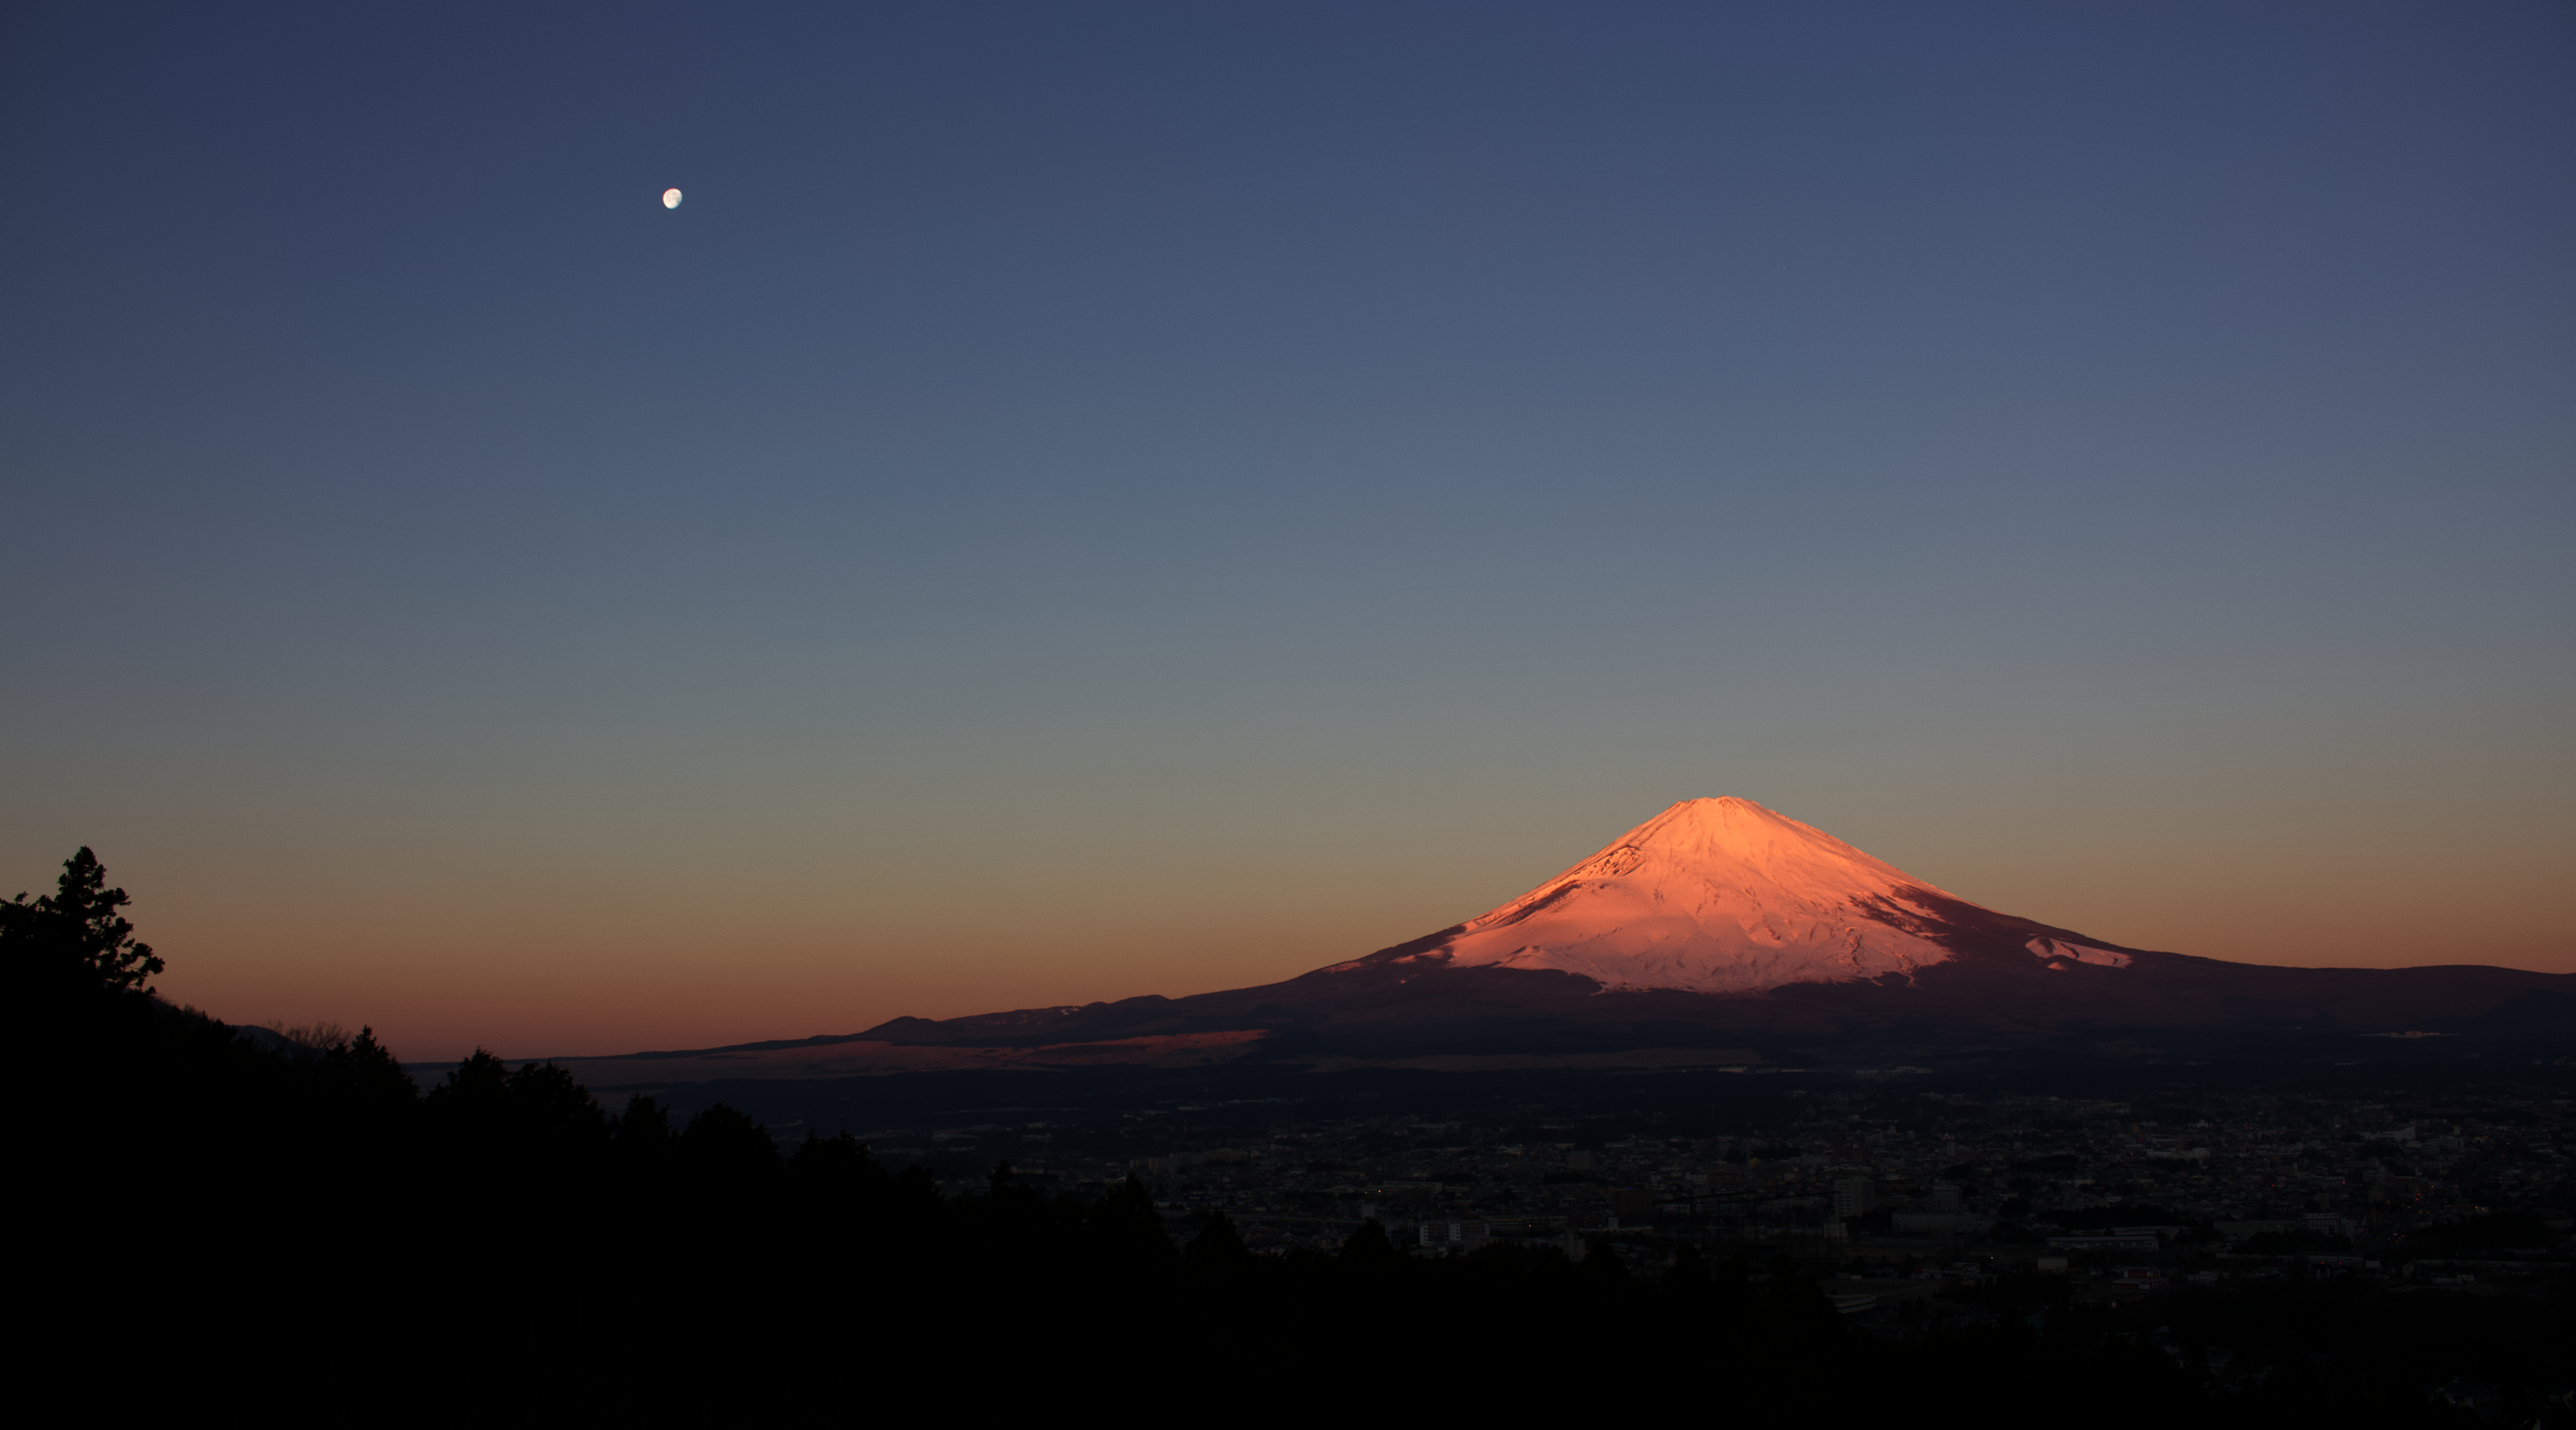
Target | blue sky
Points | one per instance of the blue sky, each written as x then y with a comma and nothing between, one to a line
1085,500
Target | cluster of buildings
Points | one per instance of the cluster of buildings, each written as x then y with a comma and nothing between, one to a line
2191,1184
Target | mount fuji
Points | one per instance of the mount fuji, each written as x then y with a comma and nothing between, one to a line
1724,896
1720,924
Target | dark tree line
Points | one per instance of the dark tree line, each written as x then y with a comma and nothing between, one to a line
309,1206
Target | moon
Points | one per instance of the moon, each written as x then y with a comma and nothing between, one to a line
670,198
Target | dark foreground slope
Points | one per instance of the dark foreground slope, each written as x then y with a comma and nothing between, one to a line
213,1220
263,1216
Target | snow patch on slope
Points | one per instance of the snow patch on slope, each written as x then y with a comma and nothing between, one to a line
2051,948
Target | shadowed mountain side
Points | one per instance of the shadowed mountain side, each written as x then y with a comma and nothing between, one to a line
1720,926
1394,1011
1410,1000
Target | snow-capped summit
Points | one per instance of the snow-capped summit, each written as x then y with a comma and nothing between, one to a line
1719,926
1713,896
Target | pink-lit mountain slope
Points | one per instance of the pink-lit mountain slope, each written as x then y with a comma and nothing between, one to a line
1721,896
1720,922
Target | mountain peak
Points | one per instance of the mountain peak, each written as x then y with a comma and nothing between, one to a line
1724,897
1728,827
1714,896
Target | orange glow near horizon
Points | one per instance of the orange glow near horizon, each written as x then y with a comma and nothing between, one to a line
601,960
1084,507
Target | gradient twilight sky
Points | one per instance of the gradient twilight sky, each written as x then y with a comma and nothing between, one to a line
1085,500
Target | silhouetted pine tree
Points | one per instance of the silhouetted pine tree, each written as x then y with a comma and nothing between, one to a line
1218,1249
74,938
1127,1235
724,1149
1370,1247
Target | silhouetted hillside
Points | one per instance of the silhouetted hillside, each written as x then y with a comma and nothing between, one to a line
253,1208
